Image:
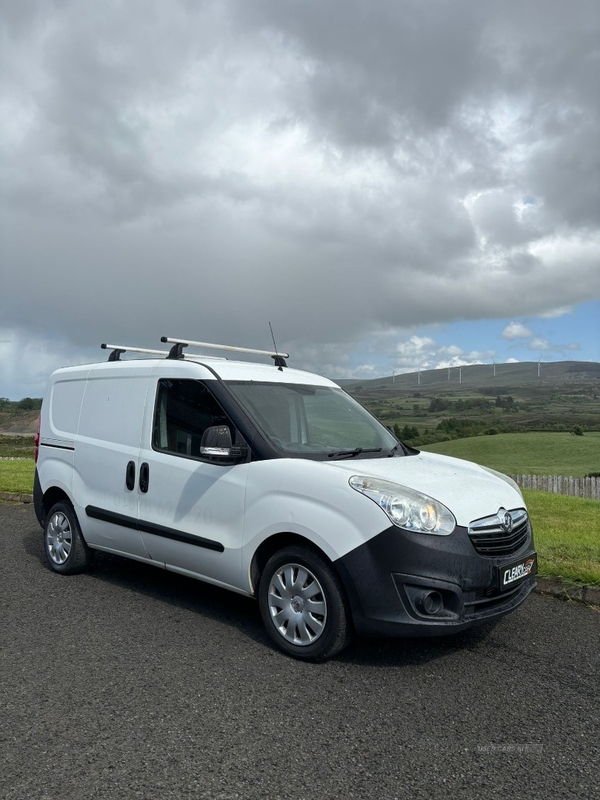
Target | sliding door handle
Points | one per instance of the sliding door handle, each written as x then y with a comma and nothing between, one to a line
144,477
130,475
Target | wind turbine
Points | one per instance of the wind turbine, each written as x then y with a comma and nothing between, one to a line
540,367
419,376
460,374
494,367
448,373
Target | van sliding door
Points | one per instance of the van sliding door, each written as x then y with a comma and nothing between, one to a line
107,459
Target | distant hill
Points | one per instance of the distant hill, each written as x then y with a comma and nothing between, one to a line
482,375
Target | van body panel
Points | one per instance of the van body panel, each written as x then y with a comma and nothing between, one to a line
308,498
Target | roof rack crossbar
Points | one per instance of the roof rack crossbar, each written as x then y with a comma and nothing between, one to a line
117,349
185,343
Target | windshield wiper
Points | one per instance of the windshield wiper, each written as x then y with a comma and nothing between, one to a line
352,453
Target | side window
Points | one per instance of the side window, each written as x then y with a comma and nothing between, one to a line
184,410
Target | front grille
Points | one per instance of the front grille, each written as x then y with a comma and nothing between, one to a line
501,535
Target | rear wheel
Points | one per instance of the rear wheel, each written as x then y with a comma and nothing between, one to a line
65,548
303,605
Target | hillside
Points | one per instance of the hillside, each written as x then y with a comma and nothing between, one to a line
566,394
523,373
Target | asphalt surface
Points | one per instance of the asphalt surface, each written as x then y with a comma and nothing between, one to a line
129,682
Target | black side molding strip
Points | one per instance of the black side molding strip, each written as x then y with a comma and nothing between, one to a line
151,527
111,516
58,446
180,536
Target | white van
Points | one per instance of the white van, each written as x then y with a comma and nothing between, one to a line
275,483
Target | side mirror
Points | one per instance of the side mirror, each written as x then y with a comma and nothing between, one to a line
216,443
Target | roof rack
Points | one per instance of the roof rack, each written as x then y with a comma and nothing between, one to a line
176,350
178,345
117,349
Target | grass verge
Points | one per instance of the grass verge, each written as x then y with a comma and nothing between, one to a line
567,536
17,476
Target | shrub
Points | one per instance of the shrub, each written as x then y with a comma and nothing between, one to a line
408,432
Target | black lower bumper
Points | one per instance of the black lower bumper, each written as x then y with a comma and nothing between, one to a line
408,584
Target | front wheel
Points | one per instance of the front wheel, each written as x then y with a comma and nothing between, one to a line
65,548
303,604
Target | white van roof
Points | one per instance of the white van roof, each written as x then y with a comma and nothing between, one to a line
178,361
196,367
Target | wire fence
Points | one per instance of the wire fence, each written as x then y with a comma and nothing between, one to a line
560,484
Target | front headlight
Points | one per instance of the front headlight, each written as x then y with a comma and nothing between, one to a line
406,507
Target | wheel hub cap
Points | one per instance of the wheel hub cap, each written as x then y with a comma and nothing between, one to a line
59,538
297,604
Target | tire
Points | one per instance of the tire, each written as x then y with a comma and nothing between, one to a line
65,548
303,604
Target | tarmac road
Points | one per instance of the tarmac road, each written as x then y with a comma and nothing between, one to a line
130,682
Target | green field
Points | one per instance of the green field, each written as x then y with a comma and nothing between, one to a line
567,536
528,453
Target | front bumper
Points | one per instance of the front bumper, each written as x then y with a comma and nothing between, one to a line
408,584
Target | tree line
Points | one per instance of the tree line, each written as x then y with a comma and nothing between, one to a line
26,404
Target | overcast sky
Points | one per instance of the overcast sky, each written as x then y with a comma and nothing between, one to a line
394,184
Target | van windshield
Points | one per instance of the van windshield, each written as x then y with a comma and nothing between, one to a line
305,420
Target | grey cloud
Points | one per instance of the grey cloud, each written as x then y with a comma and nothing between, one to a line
330,166
566,173
495,216
378,62
387,74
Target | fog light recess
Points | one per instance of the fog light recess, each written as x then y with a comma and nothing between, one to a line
430,602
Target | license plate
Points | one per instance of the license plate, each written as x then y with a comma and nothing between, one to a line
511,574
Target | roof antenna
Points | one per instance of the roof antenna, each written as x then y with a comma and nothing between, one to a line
279,360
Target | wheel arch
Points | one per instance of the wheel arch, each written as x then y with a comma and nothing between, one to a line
51,496
270,546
